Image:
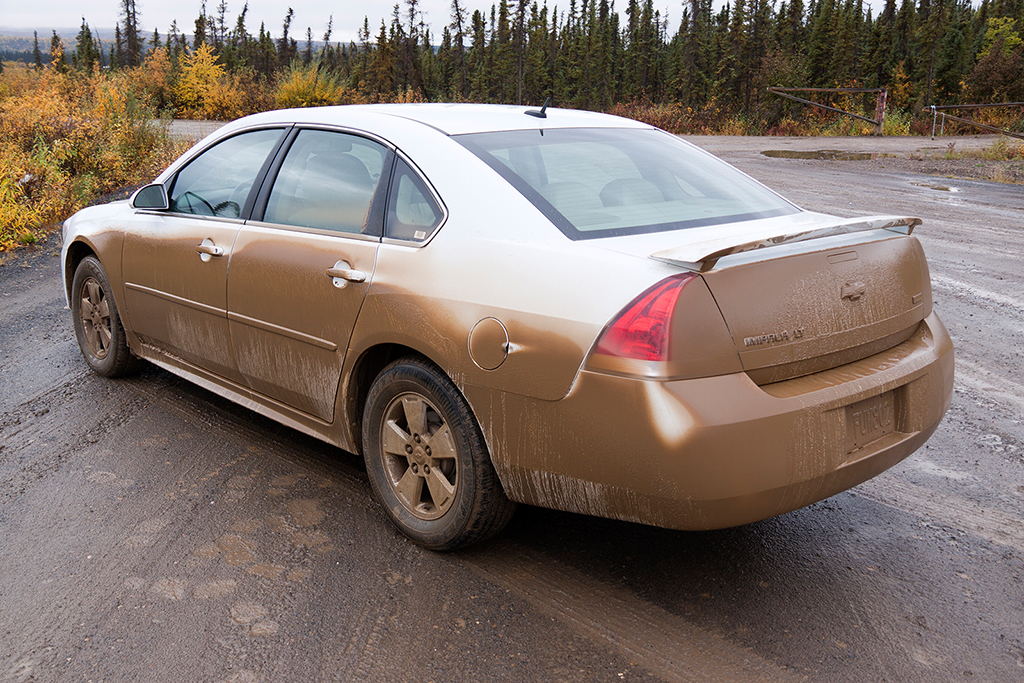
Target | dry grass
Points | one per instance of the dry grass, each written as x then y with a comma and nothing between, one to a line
715,119
1003,149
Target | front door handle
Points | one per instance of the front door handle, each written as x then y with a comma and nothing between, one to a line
208,250
343,273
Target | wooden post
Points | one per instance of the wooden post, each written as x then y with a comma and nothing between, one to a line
880,112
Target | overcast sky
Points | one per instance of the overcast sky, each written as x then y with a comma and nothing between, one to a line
44,15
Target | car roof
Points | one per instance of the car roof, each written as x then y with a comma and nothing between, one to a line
450,119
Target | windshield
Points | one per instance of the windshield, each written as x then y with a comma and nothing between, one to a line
604,182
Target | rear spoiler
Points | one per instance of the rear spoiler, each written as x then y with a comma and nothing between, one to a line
702,256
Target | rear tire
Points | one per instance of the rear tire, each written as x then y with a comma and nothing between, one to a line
98,327
427,460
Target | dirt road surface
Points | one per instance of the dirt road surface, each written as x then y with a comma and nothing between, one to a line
150,531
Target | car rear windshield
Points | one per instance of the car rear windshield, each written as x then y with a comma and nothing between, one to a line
601,182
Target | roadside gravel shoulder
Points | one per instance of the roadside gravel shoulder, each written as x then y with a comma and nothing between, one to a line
902,154
970,169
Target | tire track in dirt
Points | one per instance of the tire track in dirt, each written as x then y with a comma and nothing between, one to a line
991,386
665,644
668,645
952,511
972,293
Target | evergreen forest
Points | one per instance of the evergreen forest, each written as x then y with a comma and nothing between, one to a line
587,55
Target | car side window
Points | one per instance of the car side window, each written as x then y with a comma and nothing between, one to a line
327,181
217,182
413,213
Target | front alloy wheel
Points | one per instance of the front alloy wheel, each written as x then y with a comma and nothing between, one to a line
94,317
98,327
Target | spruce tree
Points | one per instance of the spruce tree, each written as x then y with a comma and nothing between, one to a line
86,53
132,52
57,58
382,64
37,55
458,31
287,48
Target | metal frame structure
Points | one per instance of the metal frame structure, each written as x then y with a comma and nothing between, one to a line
937,110
878,122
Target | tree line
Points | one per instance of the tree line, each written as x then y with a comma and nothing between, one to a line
588,55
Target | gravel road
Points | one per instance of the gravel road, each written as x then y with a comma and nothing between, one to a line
152,531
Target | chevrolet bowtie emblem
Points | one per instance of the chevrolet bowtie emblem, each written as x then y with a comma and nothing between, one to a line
853,290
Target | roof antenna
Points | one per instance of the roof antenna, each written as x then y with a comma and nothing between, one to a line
542,113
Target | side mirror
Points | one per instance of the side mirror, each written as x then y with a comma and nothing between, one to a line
151,197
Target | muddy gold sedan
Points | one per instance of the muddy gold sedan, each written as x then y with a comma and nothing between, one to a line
501,305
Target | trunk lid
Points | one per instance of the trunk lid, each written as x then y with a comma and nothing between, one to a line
810,311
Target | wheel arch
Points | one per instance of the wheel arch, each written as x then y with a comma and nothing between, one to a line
370,363
365,369
77,252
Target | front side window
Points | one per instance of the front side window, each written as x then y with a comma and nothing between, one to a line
217,182
327,181
607,182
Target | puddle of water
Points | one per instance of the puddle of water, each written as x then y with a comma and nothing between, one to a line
934,186
824,154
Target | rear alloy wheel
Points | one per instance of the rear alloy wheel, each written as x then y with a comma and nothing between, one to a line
98,326
427,461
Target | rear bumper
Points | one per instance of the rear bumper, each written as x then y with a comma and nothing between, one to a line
714,452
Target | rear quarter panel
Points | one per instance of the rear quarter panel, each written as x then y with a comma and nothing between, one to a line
496,256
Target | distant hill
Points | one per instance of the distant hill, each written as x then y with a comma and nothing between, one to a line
9,34
16,43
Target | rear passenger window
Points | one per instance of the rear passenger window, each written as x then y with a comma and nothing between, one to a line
413,213
327,181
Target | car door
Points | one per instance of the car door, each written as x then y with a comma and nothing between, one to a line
175,262
299,274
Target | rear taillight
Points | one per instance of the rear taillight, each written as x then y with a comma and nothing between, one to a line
642,329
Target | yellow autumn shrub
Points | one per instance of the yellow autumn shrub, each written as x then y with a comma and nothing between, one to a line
66,138
308,86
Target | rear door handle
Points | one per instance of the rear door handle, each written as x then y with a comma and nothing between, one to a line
343,273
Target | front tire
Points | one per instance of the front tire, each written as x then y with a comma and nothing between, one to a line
427,461
98,326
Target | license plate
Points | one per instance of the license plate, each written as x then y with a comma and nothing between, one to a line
869,420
